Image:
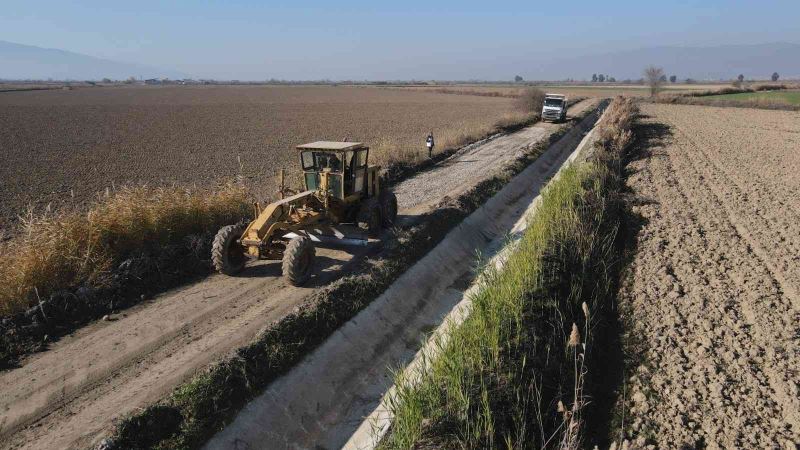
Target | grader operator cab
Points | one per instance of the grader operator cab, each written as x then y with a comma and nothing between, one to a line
341,189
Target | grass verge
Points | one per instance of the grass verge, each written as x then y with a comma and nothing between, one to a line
514,373
202,406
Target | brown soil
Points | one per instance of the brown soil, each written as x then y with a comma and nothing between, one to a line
712,294
68,396
64,147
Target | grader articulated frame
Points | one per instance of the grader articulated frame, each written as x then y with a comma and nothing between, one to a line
340,188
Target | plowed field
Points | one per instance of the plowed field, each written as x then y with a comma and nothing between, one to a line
713,291
56,146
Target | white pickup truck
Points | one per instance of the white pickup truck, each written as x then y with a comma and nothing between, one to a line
555,107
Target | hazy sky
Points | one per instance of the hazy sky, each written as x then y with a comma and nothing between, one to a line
344,39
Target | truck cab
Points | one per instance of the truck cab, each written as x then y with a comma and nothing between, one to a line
554,108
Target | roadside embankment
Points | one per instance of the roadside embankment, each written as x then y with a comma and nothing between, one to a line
516,369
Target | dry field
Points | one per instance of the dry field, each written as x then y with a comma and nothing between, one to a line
60,145
713,293
570,90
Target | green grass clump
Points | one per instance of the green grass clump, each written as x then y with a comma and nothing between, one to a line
512,374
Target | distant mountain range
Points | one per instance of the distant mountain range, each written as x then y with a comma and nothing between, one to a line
759,61
701,63
19,62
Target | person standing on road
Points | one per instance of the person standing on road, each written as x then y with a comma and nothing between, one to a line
429,142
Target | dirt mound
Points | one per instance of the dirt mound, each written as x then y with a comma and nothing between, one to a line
712,294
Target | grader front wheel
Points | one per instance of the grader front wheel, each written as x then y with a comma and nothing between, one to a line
298,260
227,254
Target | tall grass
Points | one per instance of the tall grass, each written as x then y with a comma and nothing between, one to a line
66,251
512,374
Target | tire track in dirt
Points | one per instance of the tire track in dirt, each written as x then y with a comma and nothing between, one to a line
721,335
67,396
109,368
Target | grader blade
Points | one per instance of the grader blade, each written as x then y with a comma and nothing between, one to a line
339,235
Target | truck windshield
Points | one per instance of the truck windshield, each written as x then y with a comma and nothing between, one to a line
552,102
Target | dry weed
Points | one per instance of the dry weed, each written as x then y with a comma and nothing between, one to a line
55,252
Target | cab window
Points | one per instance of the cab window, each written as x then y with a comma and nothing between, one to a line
361,156
317,161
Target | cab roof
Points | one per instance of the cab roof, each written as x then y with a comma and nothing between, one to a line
332,146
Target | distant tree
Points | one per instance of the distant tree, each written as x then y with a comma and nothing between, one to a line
673,79
654,77
106,80
594,78
775,76
130,80
612,80
690,81
740,78
517,79
601,78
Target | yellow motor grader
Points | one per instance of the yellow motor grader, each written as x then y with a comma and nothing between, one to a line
341,188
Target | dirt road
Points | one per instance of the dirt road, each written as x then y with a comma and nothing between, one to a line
713,289
456,174
68,396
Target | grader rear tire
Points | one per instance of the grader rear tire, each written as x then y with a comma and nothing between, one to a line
298,260
227,255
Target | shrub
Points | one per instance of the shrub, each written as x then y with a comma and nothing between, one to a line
654,76
530,101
